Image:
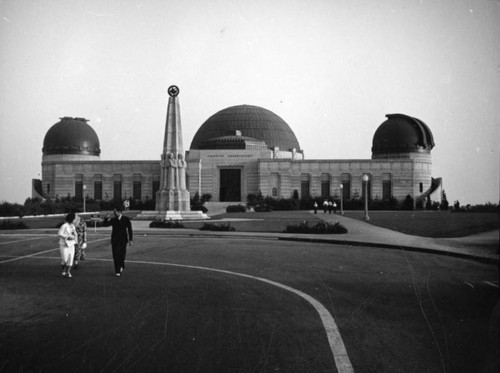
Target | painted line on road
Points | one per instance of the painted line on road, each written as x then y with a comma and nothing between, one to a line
468,283
25,239
335,341
39,253
491,284
337,347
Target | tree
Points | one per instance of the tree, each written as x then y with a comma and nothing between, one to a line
444,201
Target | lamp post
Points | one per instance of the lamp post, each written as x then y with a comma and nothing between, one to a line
341,199
84,188
365,180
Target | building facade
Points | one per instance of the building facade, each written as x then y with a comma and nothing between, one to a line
237,151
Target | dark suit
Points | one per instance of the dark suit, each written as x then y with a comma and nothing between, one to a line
121,234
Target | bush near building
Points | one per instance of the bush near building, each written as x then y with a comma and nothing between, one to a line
236,208
163,223
318,228
197,202
264,204
217,227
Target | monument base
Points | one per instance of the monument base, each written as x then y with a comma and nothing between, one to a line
172,215
172,200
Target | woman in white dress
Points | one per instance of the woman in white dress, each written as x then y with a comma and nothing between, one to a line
67,239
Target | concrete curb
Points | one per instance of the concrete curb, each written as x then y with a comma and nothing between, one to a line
395,247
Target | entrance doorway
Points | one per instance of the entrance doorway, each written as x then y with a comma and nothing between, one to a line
230,185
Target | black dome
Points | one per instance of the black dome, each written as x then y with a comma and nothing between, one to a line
400,134
71,136
251,121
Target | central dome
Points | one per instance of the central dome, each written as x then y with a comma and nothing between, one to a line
251,121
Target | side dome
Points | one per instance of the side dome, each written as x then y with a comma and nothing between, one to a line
71,136
252,122
401,134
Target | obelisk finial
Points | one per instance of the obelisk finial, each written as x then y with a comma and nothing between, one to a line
173,91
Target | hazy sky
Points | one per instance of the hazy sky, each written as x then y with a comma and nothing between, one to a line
331,69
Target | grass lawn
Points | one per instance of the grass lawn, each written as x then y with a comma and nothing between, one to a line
431,223
276,221
420,223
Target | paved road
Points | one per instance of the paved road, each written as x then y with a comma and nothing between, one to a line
396,310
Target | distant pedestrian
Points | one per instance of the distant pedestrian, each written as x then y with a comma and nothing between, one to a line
81,242
334,207
121,234
67,239
325,206
315,207
330,207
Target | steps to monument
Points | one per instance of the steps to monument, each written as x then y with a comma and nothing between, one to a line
172,215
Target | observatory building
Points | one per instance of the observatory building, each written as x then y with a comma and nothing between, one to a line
237,151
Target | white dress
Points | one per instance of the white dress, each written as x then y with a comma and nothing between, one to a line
67,240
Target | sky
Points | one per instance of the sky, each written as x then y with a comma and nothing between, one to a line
332,69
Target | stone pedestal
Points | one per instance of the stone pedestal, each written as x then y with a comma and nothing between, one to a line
172,200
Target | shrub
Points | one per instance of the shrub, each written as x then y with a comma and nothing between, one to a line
254,200
217,227
235,208
318,228
290,204
444,201
408,203
384,204
9,224
10,209
163,223
484,208
197,203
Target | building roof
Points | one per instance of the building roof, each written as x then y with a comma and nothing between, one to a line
253,122
71,136
233,141
401,133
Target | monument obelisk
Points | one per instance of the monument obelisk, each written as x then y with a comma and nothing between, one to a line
172,199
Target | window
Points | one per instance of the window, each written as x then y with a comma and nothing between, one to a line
136,190
48,188
117,187
304,185
386,186
79,187
325,186
274,181
156,186
421,187
346,186
98,187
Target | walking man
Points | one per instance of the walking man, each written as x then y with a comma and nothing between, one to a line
121,234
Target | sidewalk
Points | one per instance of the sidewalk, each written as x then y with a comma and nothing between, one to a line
483,246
